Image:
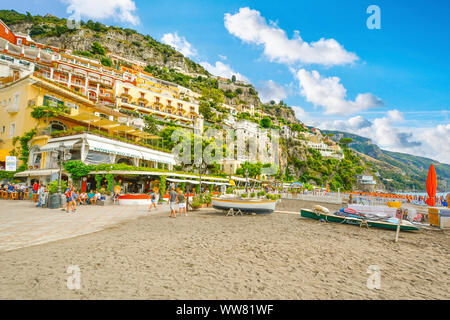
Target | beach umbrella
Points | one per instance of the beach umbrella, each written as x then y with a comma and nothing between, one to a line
431,186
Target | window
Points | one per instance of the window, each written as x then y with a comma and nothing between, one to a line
19,42
57,126
12,129
16,101
3,129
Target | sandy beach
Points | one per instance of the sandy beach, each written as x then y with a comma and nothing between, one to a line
209,256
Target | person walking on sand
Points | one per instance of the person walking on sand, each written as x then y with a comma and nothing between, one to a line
116,197
181,203
153,199
173,202
74,197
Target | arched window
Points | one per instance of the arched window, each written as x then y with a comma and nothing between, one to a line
57,126
125,161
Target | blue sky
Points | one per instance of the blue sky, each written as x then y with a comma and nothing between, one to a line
390,85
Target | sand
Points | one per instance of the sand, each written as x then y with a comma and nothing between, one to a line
209,256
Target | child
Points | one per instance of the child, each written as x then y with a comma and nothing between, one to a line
153,197
181,203
116,197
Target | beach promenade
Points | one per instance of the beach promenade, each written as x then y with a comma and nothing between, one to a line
207,255
24,225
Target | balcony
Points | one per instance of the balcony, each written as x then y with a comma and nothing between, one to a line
155,111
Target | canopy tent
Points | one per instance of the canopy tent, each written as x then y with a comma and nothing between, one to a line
113,149
36,173
53,146
181,181
156,173
296,184
85,117
105,123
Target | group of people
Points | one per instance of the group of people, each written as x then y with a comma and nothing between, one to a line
177,199
22,188
74,198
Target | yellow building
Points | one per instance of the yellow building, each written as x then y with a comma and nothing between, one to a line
88,130
161,102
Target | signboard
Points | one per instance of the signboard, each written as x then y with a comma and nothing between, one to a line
10,163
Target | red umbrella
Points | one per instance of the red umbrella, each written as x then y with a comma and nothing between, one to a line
431,186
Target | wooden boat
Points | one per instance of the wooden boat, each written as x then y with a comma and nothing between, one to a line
405,226
245,205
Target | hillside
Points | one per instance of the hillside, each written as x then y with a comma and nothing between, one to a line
408,172
128,43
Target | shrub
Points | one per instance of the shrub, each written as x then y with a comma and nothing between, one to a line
53,186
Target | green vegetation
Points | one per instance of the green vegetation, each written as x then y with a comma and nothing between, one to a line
22,151
53,186
77,169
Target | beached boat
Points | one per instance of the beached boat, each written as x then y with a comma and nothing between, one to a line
382,224
245,205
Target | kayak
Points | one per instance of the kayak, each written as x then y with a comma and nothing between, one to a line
390,225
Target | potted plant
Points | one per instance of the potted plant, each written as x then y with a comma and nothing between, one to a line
196,203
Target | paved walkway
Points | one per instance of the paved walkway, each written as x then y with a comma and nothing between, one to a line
24,225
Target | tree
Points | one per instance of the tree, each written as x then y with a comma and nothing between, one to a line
77,169
254,169
97,48
107,62
150,125
233,78
266,122
345,141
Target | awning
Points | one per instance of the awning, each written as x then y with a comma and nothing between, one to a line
198,182
3,154
53,146
36,173
113,149
181,181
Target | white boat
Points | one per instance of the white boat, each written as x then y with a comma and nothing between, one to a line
245,205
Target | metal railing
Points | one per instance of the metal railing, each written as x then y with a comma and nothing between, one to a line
317,197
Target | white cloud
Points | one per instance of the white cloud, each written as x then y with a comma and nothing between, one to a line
436,142
300,114
330,94
249,26
179,43
222,57
383,131
223,70
124,10
270,90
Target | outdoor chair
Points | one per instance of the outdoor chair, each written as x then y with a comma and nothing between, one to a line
14,196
